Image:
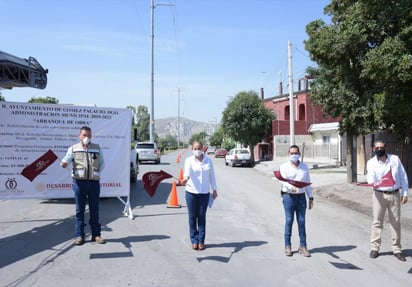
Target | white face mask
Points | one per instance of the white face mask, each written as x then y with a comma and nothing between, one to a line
197,153
86,141
294,157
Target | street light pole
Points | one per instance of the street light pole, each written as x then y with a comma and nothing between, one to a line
152,121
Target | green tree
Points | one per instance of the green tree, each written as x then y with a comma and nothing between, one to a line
216,138
46,100
168,143
200,137
364,71
2,99
228,144
246,120
133,109
142,125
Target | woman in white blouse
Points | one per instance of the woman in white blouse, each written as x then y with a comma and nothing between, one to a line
199,178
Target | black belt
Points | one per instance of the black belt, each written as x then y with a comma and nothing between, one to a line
387,191
292,194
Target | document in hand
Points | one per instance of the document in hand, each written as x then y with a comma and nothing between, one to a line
211,200
386,181
296,183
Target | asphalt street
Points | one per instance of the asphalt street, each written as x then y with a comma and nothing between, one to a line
244,243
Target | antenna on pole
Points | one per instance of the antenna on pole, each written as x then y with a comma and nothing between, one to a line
291,109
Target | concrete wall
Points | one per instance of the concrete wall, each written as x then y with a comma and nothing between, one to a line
312,149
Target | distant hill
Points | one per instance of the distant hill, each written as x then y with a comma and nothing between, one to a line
168,126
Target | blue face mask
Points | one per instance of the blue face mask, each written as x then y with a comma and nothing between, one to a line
294,157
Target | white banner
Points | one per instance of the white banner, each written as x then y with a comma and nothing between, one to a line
32,135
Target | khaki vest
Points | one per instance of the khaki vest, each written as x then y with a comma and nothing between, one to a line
86,162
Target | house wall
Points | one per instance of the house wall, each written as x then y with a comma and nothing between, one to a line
311,151
306,114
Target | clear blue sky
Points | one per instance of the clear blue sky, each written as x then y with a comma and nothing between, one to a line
98,51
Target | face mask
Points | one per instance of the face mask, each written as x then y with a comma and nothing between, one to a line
294,157
197,153
380,152
85,141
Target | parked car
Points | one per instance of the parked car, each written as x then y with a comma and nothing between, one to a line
134,166
147,151
239,157
220,152
210,150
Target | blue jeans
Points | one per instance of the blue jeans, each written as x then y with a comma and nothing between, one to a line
197,207
295,204
87,191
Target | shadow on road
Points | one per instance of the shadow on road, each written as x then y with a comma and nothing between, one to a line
58,234
331,250
237,247
127,242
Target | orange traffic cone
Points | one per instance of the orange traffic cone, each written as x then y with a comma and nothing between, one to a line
173,201
178,159
180,179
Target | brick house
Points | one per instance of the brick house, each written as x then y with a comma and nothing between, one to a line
316,134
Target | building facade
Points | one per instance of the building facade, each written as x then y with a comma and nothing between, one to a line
316,134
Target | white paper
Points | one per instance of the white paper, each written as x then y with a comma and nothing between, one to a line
211,200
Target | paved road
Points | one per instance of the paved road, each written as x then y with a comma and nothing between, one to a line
244,241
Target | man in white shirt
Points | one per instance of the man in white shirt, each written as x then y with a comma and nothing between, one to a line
387,198
294,199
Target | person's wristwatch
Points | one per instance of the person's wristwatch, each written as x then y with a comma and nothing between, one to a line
311,198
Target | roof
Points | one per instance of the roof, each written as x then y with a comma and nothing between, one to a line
324,127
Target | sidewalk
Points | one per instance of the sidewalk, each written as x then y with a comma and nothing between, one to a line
330,183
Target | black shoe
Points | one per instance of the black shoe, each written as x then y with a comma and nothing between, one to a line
374,254
400,256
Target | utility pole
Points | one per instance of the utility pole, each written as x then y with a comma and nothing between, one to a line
178,118
152,121
280,96
291,109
